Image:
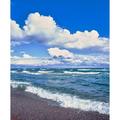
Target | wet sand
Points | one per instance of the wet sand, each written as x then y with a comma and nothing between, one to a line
27,106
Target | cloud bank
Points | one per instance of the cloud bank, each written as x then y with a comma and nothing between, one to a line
61,57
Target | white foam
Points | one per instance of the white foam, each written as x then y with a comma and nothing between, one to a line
13,71
84,69
15,84
68,72
65,100
51,72
69,101
36,73
44,72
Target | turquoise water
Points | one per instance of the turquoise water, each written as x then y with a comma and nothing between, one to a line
79,84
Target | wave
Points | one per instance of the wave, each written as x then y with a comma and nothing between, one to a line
13,71
94,69
53,72
69,72
69,101
33,73
84,69
65,100
15,84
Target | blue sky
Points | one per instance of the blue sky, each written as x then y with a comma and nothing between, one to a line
78,29
71,14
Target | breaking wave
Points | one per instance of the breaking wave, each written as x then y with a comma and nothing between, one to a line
66,100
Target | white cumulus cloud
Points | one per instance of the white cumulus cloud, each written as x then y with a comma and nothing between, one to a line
56,52
26,55
39,25
16,31
46,28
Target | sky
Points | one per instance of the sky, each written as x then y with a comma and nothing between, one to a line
60,33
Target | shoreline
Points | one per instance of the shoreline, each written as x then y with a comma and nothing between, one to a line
28,106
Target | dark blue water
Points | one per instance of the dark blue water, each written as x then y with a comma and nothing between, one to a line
90,84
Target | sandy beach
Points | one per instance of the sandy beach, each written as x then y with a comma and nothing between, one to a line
27,106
